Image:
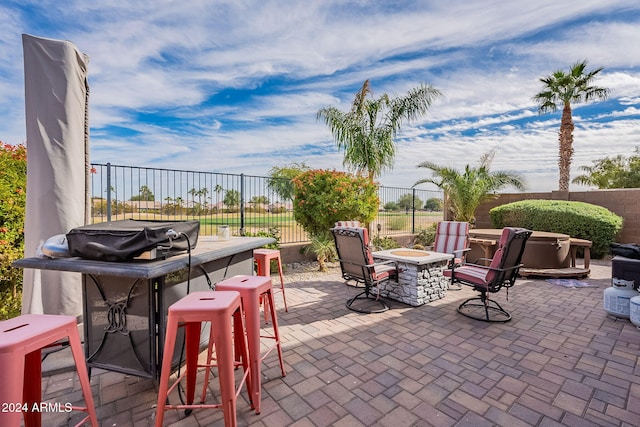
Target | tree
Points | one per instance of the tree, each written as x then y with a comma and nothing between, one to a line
465,191
145,194
615,172
366,133
259,200
232,198
280,179
391,206
218,189
563,89
407,202
433,204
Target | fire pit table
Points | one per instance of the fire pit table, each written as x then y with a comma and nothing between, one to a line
420,278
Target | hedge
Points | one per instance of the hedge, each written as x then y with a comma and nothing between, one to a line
577,219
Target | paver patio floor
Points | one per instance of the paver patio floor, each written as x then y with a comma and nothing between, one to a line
561,361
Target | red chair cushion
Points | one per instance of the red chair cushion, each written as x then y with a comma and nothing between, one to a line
451,236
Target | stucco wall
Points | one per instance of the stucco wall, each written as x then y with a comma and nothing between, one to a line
624,202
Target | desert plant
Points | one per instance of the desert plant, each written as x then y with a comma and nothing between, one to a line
425,237
577,219
323,247
468,189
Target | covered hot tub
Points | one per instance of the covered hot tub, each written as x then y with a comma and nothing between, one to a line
544,250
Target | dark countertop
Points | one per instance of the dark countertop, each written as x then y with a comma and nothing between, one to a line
206,250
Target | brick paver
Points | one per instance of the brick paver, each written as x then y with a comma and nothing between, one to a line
560,361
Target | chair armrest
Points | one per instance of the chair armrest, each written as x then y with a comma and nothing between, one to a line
478,261
382,263
486,267
461,251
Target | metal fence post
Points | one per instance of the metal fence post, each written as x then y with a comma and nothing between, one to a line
108,191
242,189
413,211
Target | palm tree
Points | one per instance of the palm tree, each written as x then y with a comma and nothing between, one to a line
562,88
366,132
218,189
467,190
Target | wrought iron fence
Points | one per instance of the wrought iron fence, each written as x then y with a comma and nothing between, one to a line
247,204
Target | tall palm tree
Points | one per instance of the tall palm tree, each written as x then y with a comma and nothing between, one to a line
465,191
367,131
563,89
218,189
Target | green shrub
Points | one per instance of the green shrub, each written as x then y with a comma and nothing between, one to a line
323,197
577,219
383,243
273,232
397,222
425,236
13,181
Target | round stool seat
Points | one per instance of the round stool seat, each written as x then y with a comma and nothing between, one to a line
263,259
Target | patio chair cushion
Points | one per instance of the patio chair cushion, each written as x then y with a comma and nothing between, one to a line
382,272
479,275
451,236
348,224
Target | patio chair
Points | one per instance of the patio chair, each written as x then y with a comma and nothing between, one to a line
500,273
356,263
452,237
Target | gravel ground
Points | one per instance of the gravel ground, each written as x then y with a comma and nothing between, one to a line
302,271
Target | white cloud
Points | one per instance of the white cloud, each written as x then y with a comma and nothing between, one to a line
168,59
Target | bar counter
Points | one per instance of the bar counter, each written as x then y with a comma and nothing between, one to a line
125,303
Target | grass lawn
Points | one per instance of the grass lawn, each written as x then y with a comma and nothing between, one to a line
290,231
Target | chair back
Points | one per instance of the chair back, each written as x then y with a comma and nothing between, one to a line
451,236
508,255
348,224
354,253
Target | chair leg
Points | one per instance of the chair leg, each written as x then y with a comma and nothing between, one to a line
454,286
365,295
485,309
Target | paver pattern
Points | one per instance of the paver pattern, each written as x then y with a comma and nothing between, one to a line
561,361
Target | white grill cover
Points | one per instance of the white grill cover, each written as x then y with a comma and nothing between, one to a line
56,94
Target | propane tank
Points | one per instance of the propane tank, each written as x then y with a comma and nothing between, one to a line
617,297
634,310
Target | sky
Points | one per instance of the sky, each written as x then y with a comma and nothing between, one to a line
234,86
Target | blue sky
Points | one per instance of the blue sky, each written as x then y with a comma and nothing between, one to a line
234,86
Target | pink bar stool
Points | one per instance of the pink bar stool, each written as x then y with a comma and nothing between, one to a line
21,341
197,307
252,289
263,258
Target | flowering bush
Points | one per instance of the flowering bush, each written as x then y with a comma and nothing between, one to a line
323,197
13,182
